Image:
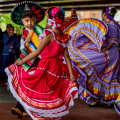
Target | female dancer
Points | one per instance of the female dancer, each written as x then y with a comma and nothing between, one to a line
46,93
95,55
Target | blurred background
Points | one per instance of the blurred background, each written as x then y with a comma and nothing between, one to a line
84,9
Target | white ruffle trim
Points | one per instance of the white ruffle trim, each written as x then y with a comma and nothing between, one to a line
43,35
44,113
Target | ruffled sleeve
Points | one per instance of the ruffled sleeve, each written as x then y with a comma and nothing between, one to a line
45,32
113,33
62,40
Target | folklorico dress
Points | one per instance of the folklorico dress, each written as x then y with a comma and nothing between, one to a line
98,71
45,92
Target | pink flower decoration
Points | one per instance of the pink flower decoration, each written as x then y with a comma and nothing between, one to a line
55,10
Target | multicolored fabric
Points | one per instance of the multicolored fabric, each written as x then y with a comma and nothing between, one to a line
98,71
26,66
92,28
69,21
108,21
117,105
112,14
45,93
31,46
27,5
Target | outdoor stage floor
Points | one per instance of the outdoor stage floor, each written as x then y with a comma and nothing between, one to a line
80,111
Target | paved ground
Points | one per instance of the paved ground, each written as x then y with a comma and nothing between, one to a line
80,111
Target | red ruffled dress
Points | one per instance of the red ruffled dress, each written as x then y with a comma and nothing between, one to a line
45,92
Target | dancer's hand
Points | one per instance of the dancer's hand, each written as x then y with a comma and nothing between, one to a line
27,40
19,62
104,49
73,78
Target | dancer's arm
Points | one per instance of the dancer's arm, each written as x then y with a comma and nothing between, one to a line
110,44
69,64
35,53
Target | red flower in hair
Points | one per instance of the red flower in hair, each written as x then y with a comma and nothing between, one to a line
24,34
55,10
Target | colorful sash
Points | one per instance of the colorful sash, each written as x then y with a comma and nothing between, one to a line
31,46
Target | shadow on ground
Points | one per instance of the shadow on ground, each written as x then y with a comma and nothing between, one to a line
80,110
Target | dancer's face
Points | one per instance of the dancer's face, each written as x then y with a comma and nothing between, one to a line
104,16
29,22
11,31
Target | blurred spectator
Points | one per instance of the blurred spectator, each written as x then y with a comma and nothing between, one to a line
10,44
14,47
1,43
18,49
7,28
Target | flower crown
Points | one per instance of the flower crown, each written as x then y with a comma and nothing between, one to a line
55,22
54,11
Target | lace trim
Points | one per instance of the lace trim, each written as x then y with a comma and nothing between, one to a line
64,44
57,112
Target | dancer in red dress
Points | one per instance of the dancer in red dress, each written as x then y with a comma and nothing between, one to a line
46,93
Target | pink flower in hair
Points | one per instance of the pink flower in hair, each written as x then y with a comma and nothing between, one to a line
55,10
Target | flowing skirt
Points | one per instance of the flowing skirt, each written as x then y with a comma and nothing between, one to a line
98,71
45,92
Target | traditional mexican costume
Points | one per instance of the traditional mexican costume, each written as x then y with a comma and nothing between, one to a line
98,71
45,92
33,34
